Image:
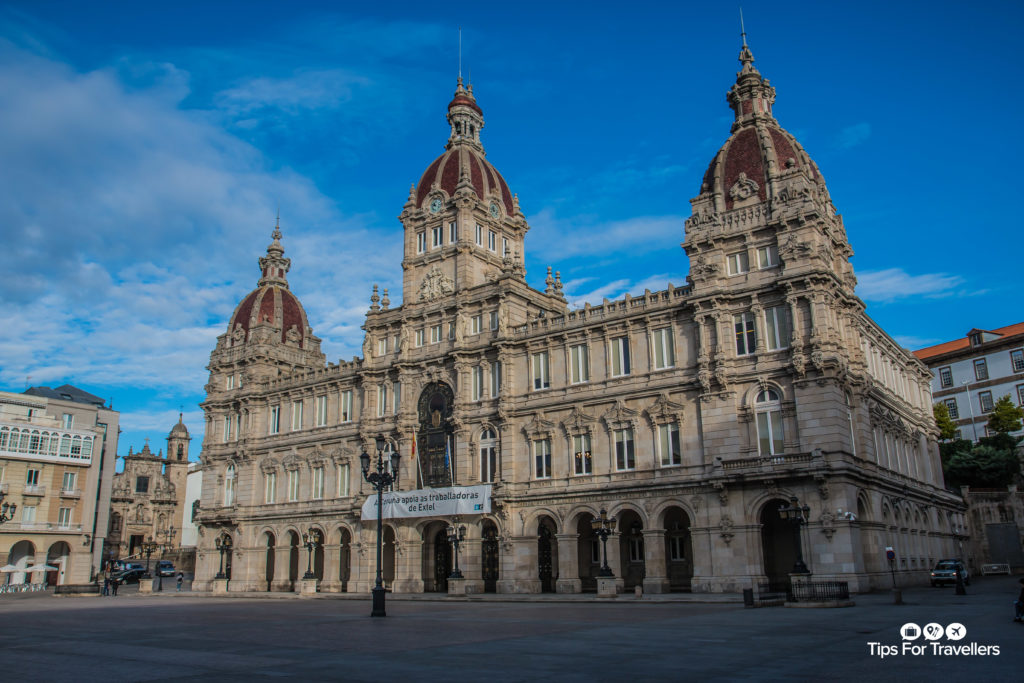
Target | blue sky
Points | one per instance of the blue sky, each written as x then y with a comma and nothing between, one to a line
146,149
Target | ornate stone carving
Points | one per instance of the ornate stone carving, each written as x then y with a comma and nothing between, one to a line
828,524
743,188
723,493
435,285
725,529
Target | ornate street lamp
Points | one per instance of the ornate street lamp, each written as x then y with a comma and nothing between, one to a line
148,547
603,527
456,535
167,536
7,510
310,539
797,516
380,480
223,544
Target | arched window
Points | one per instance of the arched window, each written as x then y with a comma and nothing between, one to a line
229,486
849,417
181,451
769,423
488,455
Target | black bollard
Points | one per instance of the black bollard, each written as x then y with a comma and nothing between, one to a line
960,590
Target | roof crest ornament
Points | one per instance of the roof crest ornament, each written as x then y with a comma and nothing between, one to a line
746,56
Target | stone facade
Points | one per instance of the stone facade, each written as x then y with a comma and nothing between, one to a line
148,498
692,414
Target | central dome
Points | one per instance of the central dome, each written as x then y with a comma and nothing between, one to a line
464,157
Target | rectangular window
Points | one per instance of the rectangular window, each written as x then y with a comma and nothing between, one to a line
32,478
495,379
296,415
620,356
494,320
946,377
227,428
676,548
435,334
453,232
478,382
318,483
346,405
625,454
980,369
451,330
321,411
668,444
437,237
488,461
68,421
664,349
540,371
382,400
739,263
396,397
476,324
746,337
767,257
229,382
382,346
636,547
1020,394
769,432
582,460
141,484
28,513
985,399
70,479
421,242
479,235
491,240
419,337
293,485
343,481
1017,360
64,517
954,413
542,458
270,487
504,247
275,419
579,359
777,327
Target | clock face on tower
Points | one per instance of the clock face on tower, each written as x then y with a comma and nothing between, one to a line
494,210
435,206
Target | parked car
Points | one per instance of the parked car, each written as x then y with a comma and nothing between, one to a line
165,568
945,572
130,575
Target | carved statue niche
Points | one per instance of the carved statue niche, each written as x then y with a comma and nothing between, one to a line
435,411
435,285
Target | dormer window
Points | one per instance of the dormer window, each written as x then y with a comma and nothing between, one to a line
975,338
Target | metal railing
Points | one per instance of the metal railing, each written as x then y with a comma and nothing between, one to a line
820,591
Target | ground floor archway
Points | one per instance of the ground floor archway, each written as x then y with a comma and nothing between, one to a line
547,554
22,555
778,542
268,559
678,549
344,559
490,552
59,556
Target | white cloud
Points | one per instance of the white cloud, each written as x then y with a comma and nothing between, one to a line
560,239
911,342
895,283
851,136
615,290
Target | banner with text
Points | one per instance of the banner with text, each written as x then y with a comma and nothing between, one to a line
440,502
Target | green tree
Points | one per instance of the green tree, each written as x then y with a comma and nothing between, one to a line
947,430
983,466
1005,416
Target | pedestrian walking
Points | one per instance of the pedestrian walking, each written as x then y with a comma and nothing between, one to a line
181,577
106,582
113,586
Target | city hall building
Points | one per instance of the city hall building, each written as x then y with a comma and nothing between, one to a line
691,414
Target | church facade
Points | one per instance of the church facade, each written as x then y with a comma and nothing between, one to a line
691,414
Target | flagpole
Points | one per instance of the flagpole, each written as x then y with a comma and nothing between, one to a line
451,460
419,463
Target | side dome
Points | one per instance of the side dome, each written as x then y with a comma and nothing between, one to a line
464,157
178,430
271,313
759,151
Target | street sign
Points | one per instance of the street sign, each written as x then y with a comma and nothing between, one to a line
890,554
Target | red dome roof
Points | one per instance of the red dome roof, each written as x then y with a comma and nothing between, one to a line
446,170
466,100
273,304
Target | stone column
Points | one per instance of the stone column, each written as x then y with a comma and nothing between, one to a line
568,564
331,582
615,559
655,566
471,560
282,560
519,567
408,561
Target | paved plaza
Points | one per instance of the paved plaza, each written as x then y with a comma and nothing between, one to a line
193,637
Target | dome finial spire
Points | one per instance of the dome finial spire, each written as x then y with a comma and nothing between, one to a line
274,266
746,56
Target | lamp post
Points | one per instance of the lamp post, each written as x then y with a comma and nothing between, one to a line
797,516
148,547
223,544
6,510
167,535
604,526
970,407
456,535
380,480
310,539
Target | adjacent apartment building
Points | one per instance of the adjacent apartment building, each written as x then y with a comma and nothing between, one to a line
57,456
975,371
